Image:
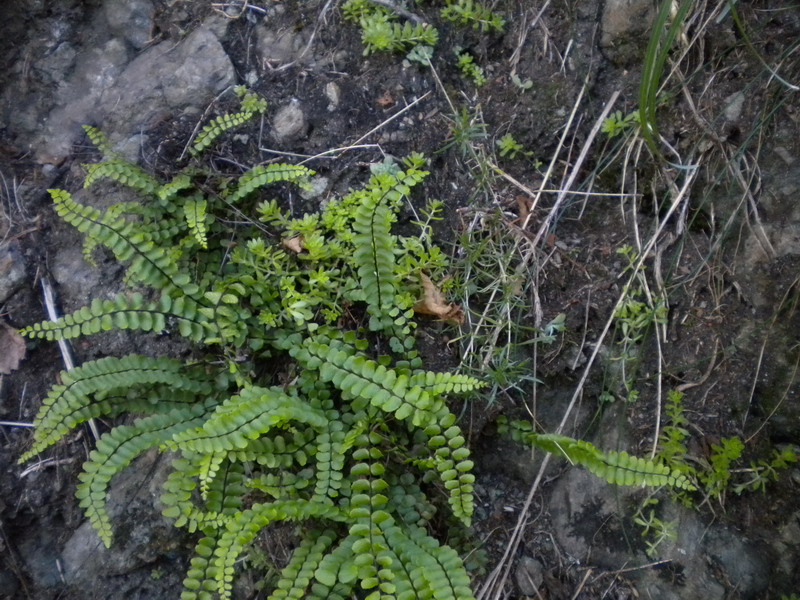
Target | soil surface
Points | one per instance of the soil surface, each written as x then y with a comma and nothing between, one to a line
718,199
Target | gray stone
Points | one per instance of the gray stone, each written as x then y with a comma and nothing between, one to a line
131,20
166,78
289,122
279,47
529,576
625,29
124,99
142,535
733,106
12,270
334,95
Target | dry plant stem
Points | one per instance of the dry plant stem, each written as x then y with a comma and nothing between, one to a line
66,352
493,586
582,584
523,36
399,10
576,168
15,424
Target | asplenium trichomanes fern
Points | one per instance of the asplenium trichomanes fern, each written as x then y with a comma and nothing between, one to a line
335,435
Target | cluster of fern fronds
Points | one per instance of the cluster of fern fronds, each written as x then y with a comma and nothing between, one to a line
289,414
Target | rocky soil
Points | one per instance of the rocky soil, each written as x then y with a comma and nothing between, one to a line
147,72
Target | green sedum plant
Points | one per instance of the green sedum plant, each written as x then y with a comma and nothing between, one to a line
305,400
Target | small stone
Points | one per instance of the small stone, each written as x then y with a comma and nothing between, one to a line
12,270
529,576
733,106
289,122
318,186
334,95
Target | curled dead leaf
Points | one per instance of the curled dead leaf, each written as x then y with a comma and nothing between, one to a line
295,244
12,349
433,303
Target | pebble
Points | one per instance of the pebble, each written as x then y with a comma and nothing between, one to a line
289,122
12,270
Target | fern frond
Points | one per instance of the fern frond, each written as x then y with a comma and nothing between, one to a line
278,451
99,140
242,529
369,517
368,381
70,403
122,172
200,580
434,570
243,417
116,449
149,263
262,175
451,459
194,210
337,572
126,313
168,191
216,127
619,468
296,577
330,458
445,383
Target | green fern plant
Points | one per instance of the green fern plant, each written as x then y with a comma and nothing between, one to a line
619,468
336,450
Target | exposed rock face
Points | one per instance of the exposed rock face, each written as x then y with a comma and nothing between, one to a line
123,97
625,29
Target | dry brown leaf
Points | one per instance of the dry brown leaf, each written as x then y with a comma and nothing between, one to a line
12,349
433,303
295,244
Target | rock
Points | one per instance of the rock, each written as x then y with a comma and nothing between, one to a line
12,270
131,20
78,98
9,584
289,122
334,95
142,535
279,47
733,106
529,576
125,98
625,29
318,184
166,78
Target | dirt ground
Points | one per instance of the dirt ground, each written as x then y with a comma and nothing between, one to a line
723,193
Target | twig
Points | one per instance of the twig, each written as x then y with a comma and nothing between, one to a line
399,10
66,352
15,424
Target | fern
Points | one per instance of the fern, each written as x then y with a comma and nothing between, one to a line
619,468
131,313
148,264
194,209
216,127
340,442
123,172
115,450
72,401
265,174
99,139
